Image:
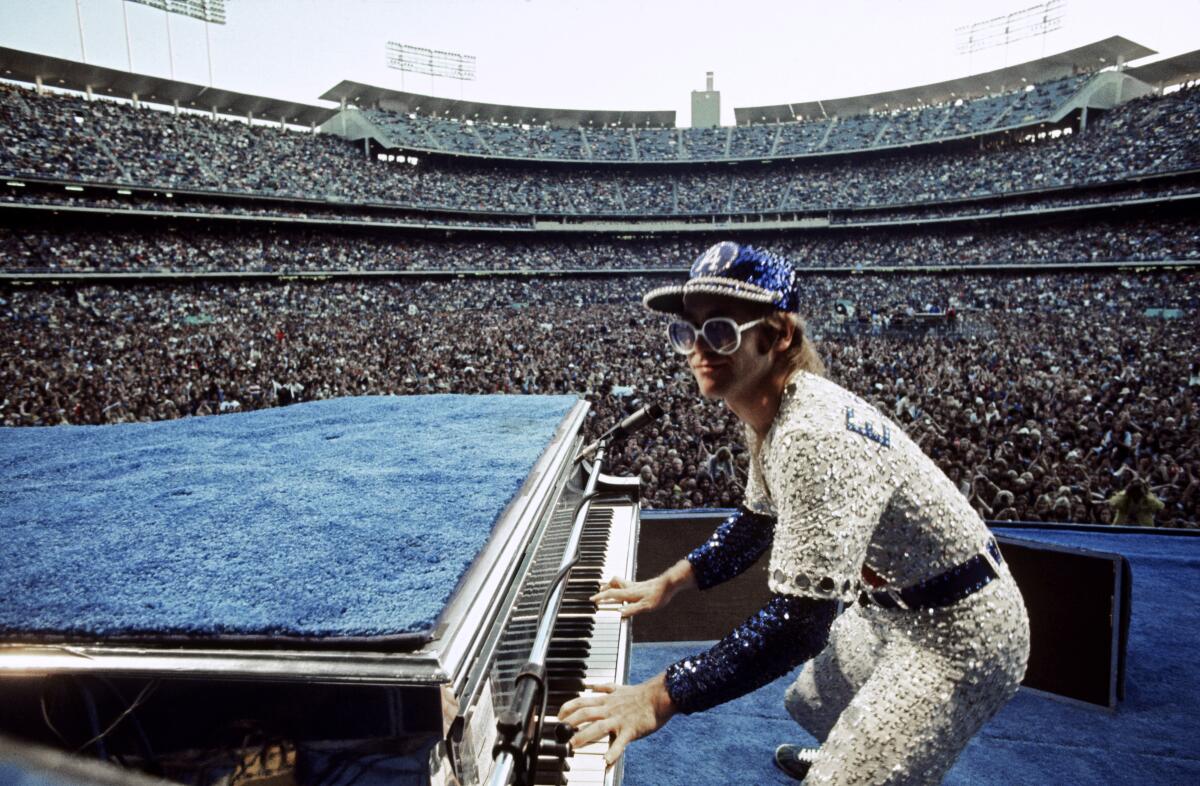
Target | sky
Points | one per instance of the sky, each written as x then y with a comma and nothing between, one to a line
580,54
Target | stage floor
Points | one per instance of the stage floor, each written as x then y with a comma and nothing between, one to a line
1035,740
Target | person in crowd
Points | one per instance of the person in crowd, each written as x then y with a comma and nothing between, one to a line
1135,505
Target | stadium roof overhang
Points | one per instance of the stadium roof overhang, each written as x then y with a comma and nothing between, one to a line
1171,71
56,72
358,94
1093,57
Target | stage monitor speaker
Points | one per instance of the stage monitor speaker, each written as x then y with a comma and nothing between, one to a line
1079,607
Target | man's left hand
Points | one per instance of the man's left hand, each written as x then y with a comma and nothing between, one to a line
624,713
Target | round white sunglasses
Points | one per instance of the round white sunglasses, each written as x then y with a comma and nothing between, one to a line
722,334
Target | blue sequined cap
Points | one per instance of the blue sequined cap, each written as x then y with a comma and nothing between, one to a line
731,270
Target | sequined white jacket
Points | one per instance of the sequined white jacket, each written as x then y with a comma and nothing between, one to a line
848,488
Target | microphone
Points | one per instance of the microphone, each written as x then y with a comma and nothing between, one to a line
638,420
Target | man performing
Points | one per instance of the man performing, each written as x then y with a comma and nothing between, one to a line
934,637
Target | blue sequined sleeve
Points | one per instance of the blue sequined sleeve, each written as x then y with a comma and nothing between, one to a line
786,632
734,546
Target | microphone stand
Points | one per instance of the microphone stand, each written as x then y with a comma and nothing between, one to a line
519,728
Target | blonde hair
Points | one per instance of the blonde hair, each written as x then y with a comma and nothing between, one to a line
802,354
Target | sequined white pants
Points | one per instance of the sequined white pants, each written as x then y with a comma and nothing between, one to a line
896,695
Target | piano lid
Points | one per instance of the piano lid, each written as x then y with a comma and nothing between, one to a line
361,539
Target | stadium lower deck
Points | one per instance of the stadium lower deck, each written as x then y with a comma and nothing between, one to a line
1037,396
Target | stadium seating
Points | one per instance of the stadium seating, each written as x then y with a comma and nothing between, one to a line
861,132
1039,399
217,248
68,138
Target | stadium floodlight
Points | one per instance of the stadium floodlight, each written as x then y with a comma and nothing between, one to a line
204,10
1037,20
431,62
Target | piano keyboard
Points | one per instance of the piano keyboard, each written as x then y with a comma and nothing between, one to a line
589,645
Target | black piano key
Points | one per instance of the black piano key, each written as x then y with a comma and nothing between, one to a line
552,770
566,684
572,634
553,749
568,673
574,624
556,699
568,648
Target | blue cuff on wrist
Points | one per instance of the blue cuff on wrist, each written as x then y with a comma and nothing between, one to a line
783,634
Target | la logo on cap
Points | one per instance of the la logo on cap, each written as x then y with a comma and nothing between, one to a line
716,259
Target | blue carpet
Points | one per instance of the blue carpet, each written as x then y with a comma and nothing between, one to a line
1035,739
346,518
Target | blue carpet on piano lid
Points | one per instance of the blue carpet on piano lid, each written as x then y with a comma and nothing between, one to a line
1036,739
351,517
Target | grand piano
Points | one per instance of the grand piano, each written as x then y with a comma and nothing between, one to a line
420,707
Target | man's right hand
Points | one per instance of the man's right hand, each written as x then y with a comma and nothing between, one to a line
640,596
635,596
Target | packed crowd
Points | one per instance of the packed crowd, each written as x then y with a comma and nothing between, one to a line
1170,189
230,246
263,208
1053,394
66,137
920,124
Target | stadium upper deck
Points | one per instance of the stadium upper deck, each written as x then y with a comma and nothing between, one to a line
1139,150
1031,106
64,138
1024,96
1033,94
